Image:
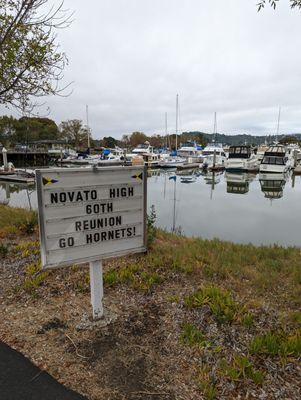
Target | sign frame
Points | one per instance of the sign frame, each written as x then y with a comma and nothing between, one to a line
96,170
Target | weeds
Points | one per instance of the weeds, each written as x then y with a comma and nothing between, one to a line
17,220
134,276
241,368
3,250
151,230
221,303
34,277
192,336
279,343
207,384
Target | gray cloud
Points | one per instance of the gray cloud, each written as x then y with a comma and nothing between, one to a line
129,58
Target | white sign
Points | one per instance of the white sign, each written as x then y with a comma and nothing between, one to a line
89,214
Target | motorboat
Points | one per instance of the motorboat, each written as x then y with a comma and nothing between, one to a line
190,150
238,183
241,158
172,162
276,160
145,152
214,156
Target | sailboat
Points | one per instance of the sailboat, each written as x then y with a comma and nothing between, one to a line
173,161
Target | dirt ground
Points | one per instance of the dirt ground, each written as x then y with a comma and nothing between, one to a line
139,354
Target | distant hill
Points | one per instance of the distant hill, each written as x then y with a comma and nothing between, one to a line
242,138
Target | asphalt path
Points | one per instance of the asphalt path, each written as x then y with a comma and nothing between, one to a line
20,379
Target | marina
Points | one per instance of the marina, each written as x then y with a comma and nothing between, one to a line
240,207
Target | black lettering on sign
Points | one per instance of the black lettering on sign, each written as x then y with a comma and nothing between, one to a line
66,242
99,208
121,192
98,223
104,236
70,197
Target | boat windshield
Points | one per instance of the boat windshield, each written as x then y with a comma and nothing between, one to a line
211,153
239,152
274,160
142,146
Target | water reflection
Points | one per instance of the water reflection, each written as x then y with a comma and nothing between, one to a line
272,185
238,183
229,206
20,191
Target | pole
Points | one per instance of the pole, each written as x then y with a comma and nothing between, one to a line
4,154
87,115
278,123
166,130
177,111
96,285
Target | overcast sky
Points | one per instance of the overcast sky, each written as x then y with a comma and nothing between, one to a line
129,58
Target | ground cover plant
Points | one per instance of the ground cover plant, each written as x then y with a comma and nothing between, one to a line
190,319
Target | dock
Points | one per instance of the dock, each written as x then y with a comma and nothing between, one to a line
188,166
16,178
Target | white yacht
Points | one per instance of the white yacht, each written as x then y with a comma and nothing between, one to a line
172,162
191,150
146,153
214,156
112,155
241,158
276,160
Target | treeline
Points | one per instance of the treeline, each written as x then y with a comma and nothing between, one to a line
253,140
30,130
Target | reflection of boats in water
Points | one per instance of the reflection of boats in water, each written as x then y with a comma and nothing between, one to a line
238,183
189,176
212,178
272,185
15,187
188,179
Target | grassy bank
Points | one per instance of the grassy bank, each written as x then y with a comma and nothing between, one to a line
194,319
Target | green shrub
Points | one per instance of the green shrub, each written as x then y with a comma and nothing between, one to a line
221,303
279,343
192,336
241,368
151,230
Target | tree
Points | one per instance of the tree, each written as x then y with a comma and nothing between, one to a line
137,138
75,133
273,3
288,139
27,130
109,142
31,64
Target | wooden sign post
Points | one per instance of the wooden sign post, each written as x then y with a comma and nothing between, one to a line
90,214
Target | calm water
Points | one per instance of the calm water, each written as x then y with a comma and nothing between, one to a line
243,208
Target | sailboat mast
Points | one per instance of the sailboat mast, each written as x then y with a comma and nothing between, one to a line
177,116
88,129
215,126
278,123
166,129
